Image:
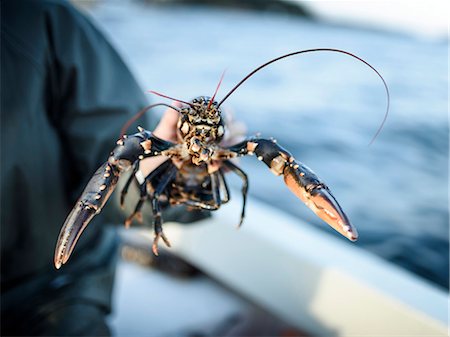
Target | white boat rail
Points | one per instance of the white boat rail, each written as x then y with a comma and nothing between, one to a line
316,282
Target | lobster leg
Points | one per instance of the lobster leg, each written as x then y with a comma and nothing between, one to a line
244,178
215,188
128,183
301,180
144,193
224,187
102,184
166,179
202,205
137,210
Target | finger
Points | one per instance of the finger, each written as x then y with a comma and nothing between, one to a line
147,165
166,128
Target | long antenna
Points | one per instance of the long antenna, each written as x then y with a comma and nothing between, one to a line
140,113
173,99
317,50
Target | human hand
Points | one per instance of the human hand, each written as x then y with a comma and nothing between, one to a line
167,130
167,126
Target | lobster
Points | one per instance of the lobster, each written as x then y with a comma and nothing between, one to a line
193,173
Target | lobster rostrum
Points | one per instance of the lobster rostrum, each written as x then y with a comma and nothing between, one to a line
193,174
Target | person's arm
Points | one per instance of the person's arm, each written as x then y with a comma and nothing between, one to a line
92,93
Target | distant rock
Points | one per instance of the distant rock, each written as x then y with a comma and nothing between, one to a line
274,6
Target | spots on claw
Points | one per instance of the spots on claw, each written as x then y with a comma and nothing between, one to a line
251,147
277,165
146,145
107,173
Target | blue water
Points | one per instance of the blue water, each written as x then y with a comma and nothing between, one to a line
324,108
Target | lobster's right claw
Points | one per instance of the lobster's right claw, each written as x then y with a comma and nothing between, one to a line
303,182
316,195
93,198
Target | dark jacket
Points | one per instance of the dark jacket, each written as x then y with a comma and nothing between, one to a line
65,93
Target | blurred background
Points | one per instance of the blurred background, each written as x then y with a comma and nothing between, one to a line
323,107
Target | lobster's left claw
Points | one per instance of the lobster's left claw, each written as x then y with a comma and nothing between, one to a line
92,200
129,150
76,222
316,195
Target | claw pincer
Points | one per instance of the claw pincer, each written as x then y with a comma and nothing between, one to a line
90,203
305,184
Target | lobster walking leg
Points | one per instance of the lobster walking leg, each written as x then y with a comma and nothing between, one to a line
203,205
143,191
225,192
166,179
300,179
102,184
143,195
244,178
128,183
215,188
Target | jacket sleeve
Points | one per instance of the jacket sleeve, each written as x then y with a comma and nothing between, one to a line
92,91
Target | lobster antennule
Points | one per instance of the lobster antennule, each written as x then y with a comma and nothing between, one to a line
217,89
139,115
